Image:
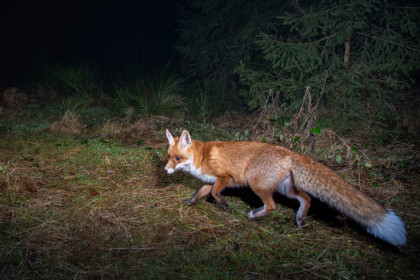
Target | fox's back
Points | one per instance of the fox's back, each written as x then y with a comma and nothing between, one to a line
240,159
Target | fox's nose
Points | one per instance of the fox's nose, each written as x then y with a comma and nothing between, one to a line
169,170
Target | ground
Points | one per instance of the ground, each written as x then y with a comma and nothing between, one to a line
88,199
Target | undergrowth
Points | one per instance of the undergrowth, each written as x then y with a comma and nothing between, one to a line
97,204
158,93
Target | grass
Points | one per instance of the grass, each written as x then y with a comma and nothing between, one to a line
155,93
91,206
81,78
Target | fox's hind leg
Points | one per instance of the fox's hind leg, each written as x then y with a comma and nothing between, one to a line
286,188
269,205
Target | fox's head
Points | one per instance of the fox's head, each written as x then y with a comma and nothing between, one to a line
180,152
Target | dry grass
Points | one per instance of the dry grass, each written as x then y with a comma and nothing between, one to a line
97,209
68,125
146,131
12,98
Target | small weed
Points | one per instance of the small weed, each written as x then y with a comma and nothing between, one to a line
242,137
122,99
202,101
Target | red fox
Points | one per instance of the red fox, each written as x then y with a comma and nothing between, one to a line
266,169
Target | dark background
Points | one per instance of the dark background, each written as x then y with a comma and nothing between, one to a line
107,34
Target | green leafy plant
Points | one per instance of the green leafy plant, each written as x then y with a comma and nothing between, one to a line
316,130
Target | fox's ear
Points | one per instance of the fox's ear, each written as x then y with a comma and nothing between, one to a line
185,140
170,137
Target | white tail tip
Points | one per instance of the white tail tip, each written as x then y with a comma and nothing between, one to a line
390,229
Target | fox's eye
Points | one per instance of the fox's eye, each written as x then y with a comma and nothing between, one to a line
177,158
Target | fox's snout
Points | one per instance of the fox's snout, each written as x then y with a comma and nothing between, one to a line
168,170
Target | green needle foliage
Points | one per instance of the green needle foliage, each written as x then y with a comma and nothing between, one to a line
360,54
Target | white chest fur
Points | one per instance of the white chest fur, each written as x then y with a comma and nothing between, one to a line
203,177
196,172
189,167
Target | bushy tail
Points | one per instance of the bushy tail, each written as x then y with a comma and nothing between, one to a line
390,229
324,184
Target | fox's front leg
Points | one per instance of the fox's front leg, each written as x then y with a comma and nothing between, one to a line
219,186
202,192
215,190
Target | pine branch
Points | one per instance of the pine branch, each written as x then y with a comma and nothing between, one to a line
388,41
297,44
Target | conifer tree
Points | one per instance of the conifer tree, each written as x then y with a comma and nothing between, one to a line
362,53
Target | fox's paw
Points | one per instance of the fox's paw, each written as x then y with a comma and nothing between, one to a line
223,203
256,213
191,201
300,221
